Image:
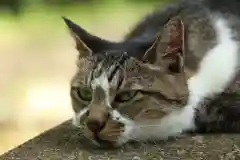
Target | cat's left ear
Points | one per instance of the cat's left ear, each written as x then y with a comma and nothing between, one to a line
167,51
86,43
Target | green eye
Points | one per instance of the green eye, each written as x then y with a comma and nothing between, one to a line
125,96
84,94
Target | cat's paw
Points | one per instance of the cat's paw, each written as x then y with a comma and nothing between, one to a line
127,134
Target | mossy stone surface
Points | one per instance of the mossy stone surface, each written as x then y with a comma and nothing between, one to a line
65,142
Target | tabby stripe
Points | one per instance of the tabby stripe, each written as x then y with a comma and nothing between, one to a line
120,62
121,78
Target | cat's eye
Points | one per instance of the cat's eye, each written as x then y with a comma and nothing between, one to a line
84,94
126,96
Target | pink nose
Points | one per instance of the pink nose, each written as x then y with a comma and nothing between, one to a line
96,119
94,125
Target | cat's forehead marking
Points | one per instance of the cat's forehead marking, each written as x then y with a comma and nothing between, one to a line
100,81
111,66
101,84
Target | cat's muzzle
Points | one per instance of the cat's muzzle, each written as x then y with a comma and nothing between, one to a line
107,135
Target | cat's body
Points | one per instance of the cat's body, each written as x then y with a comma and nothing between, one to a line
198,17
167,66
201,19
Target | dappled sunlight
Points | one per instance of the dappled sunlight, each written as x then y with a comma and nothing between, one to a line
44,106
42,96
50,101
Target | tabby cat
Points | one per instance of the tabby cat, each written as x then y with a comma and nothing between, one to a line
176,72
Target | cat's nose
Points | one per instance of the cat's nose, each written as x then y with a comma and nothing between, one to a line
94,125
97,119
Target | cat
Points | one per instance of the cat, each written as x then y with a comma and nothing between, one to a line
175,72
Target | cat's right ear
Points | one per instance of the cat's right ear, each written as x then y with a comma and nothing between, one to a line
86,43
168,49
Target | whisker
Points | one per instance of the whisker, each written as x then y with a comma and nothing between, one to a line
150,125
78,126
152,140
95,142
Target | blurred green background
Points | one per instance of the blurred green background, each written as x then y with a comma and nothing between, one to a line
37,57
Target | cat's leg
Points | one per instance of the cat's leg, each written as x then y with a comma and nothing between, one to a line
222,115
215,72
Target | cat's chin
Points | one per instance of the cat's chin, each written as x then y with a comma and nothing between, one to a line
126,136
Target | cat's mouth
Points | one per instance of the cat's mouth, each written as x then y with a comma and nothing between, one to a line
108,136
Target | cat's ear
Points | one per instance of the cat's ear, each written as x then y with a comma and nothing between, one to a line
168,47
86,43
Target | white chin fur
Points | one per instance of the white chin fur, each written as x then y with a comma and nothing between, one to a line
171,125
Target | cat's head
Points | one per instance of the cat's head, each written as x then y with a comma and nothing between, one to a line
118,84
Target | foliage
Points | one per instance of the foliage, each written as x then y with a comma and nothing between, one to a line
15,6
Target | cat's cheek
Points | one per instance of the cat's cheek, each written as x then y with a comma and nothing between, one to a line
75,121
78,117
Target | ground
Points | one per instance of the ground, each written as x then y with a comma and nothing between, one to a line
64,142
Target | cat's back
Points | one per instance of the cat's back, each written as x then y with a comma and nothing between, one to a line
200,18
189,10
212,37
211,23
